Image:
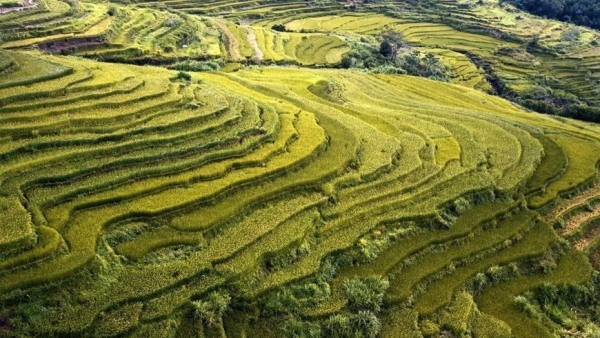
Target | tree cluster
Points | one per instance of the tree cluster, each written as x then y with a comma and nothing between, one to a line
279,28
395,56
565,306
580,12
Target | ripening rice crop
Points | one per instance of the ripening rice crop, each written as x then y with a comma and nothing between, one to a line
135,196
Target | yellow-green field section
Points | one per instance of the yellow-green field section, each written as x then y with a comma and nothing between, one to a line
136,191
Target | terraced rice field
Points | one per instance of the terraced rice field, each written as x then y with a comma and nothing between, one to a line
137,192
320,33
247,9
124,33
136,201
518,69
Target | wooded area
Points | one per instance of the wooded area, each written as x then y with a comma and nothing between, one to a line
580,12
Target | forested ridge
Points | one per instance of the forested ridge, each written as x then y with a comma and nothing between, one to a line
580,12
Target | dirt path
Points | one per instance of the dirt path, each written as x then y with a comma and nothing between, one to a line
233,47
29,4
258,54
576,221
590,238
570,203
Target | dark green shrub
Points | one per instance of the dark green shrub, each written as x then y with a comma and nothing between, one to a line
302,329
211,310
197,66
366,294
279,28
366,323
184,76
337,326
113,10
281,302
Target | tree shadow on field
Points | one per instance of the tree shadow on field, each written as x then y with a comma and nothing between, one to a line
5,324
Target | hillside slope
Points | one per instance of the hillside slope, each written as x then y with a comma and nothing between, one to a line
152,190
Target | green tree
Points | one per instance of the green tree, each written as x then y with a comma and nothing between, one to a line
366,294
210,311
386,49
